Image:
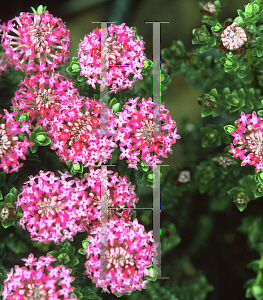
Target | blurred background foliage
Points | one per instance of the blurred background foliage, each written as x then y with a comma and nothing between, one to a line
200,247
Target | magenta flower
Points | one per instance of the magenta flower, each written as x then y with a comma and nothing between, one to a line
120,194
125,56
36,38
77,136
128,256
249,134
53,206
11,149
39,281
42,96
5,64
136,130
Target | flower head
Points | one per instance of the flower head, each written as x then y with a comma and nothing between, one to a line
42,96
235,38
124,54
78,138
138,132
11,149
128,256
53,206
33,40
119,194
249,134
39,281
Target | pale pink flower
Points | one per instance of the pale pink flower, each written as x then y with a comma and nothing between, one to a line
11,149
32,40
39,281
249,135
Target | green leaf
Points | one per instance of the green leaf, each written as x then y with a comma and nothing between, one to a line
81,251
255,265
7,224
38,129
112,102
233,192
32,137
34,148
46,142
69,70
206,112
73,262
229,128
80,78
241,207
54,253
10,198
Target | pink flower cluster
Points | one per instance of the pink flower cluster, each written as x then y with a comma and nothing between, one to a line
10,147
124,52
36,42
119,194
249,134
52,206
56,208
136,131
77,135
43,282
42,96
128,256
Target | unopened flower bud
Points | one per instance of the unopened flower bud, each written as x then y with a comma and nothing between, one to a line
207,101
40,138
63,258
208,8
183,177
210,138
252,8
224,161
193,57
76,167
7,212
201,34
241,199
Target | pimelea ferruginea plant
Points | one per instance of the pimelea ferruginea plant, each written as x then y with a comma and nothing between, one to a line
48,109
63,182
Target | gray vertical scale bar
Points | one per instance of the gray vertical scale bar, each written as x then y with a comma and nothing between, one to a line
104,209
104,78
156,75
104,223
157,216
